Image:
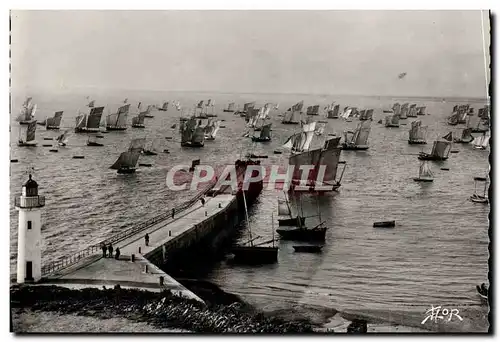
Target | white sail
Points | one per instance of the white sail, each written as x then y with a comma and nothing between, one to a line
485,142
425,171
320,129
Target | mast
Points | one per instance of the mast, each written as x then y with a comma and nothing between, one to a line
248,221
272,226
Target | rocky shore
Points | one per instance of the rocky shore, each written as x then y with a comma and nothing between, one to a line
161,310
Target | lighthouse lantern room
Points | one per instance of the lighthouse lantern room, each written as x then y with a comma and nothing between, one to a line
29,238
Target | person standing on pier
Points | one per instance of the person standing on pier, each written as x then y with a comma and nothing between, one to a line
110,250
146,239
173,212
202,201
117,253
103,247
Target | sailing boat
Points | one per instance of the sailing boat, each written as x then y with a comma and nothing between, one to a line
89,122
481,142
62,139
152,149
359,138
118,120
27,113
417,133
424,173
366,115
325,160
265,134
284,209
406,113
211,129
230,108
440,150
421,110
210,104
462,115
320,128
480,198
332,112
312,110
396,108
391,120
302,233
474,124
466,137
138,121
246,107
127,161
192,133
453,119
27,135
292,115
255,253
55,121
164,107
147,112
92,141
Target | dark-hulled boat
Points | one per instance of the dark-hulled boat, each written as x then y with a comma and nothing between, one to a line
308,248
440,151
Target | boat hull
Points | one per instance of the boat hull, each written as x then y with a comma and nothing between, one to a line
302,234
190,144
55,128
94,144
312,188
26,144
392,125
86,130
126,170
258,139
228,111
354,147
417,142
384,224
138,126
162,109
209,138
423,179
255,255
308,249
149,116
425,156
290,122
292,221
24,122
109,128
150,153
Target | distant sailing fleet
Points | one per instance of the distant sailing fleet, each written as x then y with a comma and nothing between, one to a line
199,124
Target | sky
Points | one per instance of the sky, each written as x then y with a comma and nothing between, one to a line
315,52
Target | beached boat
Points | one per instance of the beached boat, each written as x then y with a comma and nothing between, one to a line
27,112
89,122
440,151
478,198
417,133
250,253
118,121
424,173
357,140
27,135
164,107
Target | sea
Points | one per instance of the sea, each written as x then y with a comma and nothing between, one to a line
435,256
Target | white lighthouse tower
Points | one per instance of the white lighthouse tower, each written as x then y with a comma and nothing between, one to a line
29,238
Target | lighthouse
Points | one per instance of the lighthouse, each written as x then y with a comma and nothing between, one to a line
29,237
